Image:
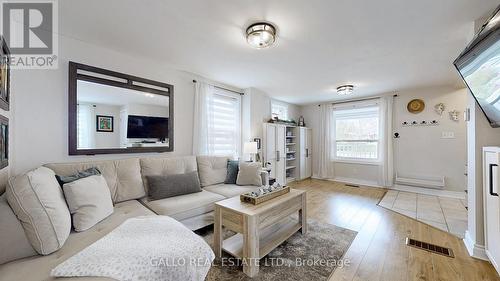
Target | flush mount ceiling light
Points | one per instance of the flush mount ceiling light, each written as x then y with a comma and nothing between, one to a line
345,90
261,35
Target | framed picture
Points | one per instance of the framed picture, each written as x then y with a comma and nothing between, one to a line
4,142
4,75
104,123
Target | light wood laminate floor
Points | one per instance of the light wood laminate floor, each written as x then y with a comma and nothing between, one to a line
379,252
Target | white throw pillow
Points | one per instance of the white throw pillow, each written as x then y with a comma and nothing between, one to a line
12,233
249,174
38,202
89,201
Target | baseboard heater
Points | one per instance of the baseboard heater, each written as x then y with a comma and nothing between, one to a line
427,181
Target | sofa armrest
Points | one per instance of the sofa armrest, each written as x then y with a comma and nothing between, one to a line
265,177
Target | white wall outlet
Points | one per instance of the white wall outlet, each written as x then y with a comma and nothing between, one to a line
448,135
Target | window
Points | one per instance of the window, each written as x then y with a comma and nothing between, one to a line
224,132
357,133
279,110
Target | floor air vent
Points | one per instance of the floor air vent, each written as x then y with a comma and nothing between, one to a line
430,247
351,185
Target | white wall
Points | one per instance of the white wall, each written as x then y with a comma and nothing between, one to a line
420,150
40,130
479,135
257,110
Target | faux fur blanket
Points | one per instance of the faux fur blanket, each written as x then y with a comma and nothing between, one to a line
143,248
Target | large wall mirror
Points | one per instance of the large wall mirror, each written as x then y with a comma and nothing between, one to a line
111,112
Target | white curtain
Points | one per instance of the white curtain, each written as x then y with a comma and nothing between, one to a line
325,142
386,177
202,102
86,126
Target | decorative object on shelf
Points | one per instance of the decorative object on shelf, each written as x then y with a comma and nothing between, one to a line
416,106
420,123
261,35
250,148
345,90
454,115
283,122
301,121
4,75
104,123
258,141
264,194
4,142
439,108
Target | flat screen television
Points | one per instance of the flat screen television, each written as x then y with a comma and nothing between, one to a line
479,66
147,127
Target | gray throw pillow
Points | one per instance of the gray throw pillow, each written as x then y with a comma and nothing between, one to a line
249,174
232,171
80,175
160,187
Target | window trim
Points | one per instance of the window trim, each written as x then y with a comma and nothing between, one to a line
351,160
281,104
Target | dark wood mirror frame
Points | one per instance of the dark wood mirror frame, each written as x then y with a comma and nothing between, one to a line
157,88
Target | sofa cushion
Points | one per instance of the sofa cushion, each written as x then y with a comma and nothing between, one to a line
230,190
89,201
249,174
212,169
38,202
12,233
38,268
160,187
184,206
154,166
123,176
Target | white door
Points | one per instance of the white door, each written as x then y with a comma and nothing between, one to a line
308,166
270,147
302,152
280,154
491,206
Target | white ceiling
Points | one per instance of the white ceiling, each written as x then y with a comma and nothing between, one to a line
379,46
102,94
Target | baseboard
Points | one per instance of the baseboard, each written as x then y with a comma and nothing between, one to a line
430,191
351,181
475,250
493,262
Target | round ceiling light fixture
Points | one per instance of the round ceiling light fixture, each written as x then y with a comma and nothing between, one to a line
261,35
345,90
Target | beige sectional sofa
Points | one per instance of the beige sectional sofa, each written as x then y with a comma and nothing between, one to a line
126,179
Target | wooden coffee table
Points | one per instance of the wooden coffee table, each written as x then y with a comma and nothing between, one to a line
260,228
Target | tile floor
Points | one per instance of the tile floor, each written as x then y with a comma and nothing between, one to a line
447,214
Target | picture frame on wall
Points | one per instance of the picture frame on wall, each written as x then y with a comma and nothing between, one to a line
4,142
4,75
104,123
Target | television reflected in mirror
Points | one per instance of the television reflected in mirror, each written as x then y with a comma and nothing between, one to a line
112,112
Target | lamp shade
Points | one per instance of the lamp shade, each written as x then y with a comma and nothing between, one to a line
250,147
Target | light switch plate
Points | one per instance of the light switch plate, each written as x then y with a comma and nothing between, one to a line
448,135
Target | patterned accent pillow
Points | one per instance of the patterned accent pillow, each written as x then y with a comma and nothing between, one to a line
232,171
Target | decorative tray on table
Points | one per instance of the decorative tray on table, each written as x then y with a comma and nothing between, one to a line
264,194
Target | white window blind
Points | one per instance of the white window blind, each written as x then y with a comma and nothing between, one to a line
225,123
279,110
357,133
